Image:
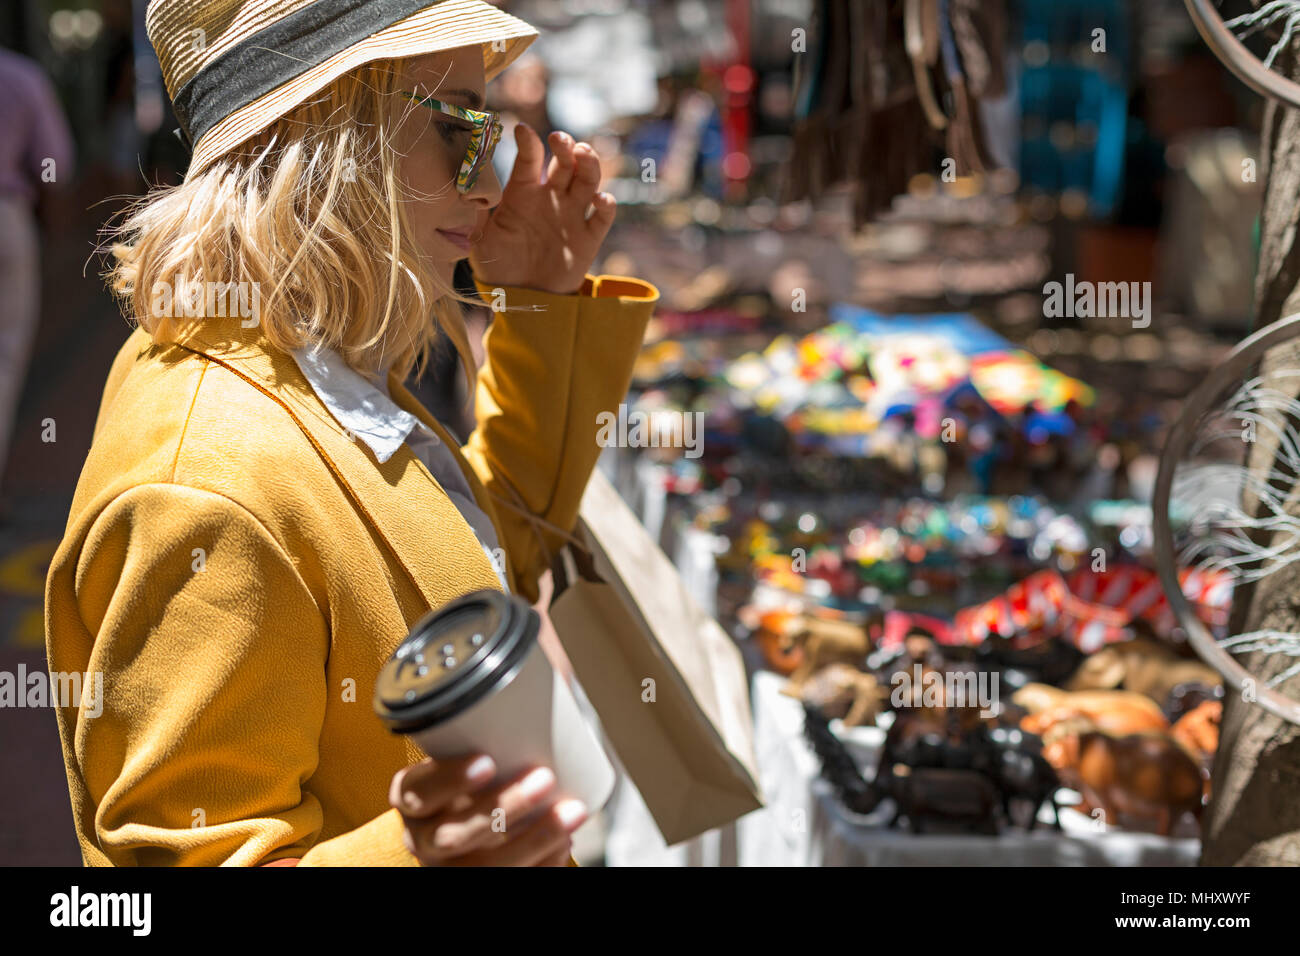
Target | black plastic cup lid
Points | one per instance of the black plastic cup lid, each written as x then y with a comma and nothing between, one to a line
453,658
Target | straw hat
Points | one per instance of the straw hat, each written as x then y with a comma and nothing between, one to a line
233,67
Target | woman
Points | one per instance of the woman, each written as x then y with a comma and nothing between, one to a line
265,510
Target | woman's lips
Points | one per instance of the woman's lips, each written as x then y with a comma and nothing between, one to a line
461,240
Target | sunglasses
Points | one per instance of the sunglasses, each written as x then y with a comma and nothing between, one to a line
484,134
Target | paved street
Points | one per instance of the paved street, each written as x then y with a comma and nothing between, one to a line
80,332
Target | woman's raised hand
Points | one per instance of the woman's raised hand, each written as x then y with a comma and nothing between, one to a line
540,236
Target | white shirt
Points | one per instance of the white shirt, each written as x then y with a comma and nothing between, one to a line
366,409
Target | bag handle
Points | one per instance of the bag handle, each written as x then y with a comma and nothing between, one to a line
574,563
577,553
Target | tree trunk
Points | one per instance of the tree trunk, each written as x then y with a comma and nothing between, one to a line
1254,815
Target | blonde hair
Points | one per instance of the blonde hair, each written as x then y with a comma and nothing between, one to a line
310,213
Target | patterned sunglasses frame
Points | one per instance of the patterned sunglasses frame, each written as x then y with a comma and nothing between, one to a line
485,133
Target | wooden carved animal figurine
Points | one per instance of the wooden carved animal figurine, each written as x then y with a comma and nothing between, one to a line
1048,662
1117,721
1142,666
935,772
910,725
925,795
1186,697
843,691
776,641
1061,740
1143,777
837,764
1009,758
917,679
933,750
917,647
1198,732
1015,762
827,642
1116,712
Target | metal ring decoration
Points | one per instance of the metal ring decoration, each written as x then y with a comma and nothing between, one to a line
1237,58
1226,376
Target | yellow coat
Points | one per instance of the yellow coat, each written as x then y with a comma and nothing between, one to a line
238,577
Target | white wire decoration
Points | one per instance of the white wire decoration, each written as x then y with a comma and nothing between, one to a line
1209,501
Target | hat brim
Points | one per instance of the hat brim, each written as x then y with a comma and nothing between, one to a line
449,25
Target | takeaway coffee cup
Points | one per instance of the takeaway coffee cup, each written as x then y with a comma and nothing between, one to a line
470,678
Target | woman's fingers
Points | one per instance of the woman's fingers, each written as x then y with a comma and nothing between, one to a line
559,173
428,787
542,843
603,209
528,161
492,819
586,174
497,817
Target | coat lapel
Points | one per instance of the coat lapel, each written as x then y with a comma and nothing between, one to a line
409,403
427,534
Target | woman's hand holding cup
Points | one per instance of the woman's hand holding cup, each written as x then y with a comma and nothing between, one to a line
455,815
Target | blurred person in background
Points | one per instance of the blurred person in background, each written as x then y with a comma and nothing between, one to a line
123,141
36,155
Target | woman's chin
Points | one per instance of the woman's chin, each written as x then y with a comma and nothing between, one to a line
445,270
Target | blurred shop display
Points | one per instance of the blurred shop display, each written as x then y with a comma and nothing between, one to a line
882,460
806,823
878,481
577,45
1074,89
900,459
1209,242
871,91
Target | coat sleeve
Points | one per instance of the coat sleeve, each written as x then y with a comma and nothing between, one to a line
201,745
554,363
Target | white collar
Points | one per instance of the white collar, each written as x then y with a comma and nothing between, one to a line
357,403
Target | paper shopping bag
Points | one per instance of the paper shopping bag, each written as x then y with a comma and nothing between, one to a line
668,683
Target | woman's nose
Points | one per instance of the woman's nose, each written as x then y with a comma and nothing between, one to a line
487,190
